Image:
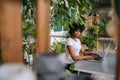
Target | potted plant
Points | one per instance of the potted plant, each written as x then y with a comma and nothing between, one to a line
90,42
91,38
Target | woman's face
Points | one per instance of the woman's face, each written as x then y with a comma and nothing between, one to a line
76,33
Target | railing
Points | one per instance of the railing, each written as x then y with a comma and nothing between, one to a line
103,42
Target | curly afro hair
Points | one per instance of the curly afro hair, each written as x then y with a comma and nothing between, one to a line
76,26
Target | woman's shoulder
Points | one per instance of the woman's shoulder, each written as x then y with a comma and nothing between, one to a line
69,40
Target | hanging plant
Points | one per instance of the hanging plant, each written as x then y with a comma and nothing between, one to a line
64,12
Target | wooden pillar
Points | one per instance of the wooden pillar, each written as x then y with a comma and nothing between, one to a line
116,19
10,29
42,19
118,54
1,14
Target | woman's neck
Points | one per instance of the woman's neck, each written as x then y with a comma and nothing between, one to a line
74,38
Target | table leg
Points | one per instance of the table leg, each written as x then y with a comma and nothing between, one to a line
78,72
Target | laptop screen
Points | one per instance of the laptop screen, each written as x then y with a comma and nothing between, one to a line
108,48
102,58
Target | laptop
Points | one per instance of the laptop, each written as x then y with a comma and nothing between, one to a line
103,57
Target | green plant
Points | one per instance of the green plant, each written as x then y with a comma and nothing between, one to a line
102,28
92,30
28,19
29,51
91,38
28,26
90,42
72,66
58,47
64,12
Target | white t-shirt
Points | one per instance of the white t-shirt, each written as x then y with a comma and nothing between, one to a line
76,46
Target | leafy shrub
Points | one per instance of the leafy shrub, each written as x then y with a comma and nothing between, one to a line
58,47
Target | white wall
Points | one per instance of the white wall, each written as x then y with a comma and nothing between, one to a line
57,36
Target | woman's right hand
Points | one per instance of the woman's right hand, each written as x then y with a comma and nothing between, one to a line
96,57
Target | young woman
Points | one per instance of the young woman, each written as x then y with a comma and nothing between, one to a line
75,51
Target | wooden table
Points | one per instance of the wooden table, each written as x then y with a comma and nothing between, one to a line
106,68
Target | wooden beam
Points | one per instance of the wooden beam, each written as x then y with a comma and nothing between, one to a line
11,37
43,28
118,54
116,23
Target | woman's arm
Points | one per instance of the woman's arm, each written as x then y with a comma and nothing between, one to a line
80,57
82,51
86,53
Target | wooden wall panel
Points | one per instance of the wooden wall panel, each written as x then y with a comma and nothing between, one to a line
11,33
